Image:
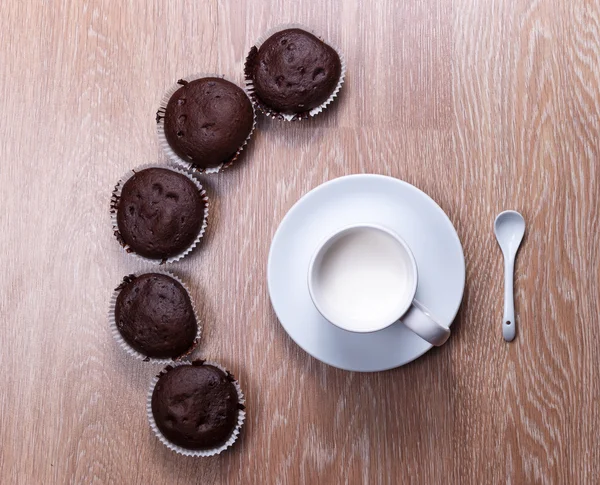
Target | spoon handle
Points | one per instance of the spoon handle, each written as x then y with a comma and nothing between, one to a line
508,323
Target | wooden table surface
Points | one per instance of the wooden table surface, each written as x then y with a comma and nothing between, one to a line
485,106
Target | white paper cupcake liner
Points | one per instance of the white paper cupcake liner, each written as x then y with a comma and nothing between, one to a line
162,139
291,116
184,451
128,348
114,202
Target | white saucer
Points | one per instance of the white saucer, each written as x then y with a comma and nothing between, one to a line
374,199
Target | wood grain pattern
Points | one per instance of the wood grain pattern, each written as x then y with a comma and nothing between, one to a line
483,105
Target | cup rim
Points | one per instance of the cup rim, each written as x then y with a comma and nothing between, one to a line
328,241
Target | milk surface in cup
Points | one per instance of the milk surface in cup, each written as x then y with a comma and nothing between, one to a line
364,279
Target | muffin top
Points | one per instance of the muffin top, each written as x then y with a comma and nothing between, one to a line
196,406
207,120
155,316
294,71
159,213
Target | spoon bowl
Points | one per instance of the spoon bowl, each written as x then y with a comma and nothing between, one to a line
509,228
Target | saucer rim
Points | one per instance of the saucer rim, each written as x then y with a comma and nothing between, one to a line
325,186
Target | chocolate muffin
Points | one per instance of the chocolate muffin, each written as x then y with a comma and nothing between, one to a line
206,121
160,213
293,71
196,406
155,316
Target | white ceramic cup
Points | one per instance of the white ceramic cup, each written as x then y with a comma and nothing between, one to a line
363,278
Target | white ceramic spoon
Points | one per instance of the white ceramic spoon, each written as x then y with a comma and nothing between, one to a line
509,228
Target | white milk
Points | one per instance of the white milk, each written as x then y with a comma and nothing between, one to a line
364,279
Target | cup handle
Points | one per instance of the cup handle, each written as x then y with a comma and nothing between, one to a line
419,320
